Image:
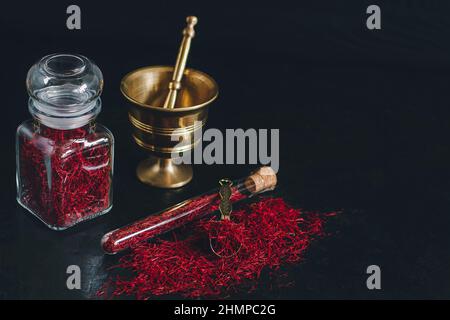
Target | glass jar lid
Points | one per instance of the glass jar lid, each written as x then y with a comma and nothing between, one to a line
64,90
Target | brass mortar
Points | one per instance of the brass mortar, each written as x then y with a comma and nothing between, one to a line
154,127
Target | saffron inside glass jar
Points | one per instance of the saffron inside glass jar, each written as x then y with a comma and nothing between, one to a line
64,159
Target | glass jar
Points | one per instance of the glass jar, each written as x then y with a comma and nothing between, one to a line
64,158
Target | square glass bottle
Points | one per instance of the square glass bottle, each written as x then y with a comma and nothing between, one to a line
64,158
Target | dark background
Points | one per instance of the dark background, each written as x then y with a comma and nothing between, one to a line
363,117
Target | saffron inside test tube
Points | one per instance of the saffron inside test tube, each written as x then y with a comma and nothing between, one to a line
262,180
172,218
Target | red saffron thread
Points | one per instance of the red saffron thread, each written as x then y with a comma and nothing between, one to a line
270,233
64,179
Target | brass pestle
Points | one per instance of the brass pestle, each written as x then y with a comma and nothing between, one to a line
180,65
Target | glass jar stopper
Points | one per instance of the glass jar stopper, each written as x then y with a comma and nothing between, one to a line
64,90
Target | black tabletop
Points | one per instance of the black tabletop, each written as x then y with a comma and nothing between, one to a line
363,118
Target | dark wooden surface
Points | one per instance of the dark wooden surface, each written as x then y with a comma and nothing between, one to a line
363,117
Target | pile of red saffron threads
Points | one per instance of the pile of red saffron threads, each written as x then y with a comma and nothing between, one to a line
263,235
62,180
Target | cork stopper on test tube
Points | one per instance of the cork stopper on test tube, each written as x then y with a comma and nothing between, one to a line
261,180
